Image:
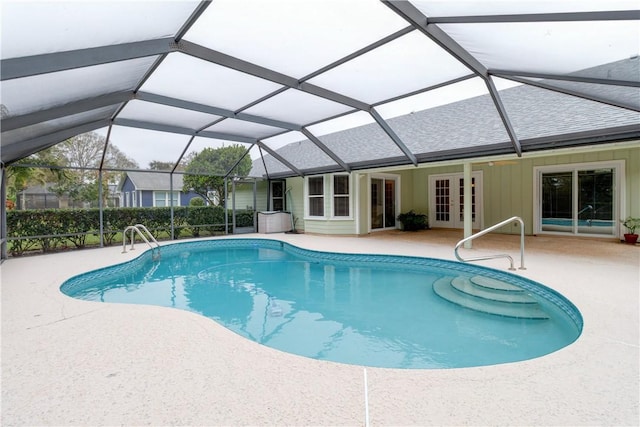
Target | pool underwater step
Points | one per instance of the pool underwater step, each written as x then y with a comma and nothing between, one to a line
508,303
495,285
469,286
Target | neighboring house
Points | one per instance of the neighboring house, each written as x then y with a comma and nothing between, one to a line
565,183
153,189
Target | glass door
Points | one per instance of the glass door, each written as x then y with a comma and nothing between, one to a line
578,200
383,203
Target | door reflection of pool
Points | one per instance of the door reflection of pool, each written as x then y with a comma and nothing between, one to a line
585,226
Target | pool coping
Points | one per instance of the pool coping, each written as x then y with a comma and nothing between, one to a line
68,362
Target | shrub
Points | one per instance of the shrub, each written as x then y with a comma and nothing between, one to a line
412,221
205,218
243,218
49,229
196,201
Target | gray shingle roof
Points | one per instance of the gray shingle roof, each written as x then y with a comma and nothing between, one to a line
154,181
534,113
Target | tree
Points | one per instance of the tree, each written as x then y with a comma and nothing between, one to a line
211,165
21,176
82,153
157,165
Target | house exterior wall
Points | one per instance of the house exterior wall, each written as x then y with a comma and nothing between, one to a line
145,198
295,202
327,225
185,198
127,187
507,189
262,201
244,196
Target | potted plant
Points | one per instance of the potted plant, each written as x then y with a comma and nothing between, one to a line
412,221
631,224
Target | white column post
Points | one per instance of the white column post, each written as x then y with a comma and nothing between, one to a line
468,224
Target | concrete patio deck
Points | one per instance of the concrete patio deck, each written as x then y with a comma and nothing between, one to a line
71,362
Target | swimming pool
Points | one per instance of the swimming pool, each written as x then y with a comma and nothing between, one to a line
372,310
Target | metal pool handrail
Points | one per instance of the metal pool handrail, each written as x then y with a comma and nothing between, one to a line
488,230
137,229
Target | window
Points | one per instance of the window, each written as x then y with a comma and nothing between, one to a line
315,191
338,201
277,196
161,198
134,199
341,195
128,199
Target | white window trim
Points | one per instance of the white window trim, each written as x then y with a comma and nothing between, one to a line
349,196
167,200
327,184
307,216
619,202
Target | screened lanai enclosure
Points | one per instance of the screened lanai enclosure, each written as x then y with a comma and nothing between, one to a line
299,88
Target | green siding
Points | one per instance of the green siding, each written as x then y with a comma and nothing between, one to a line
262,203
508,190
508,187
295,201
325,226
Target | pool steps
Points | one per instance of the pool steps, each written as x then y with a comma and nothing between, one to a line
502,294
489,296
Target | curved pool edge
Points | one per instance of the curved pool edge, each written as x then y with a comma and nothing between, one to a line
541,391
550,295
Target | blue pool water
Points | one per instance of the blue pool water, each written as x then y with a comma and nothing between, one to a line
371,310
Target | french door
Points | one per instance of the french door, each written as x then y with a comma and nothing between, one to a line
446,200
